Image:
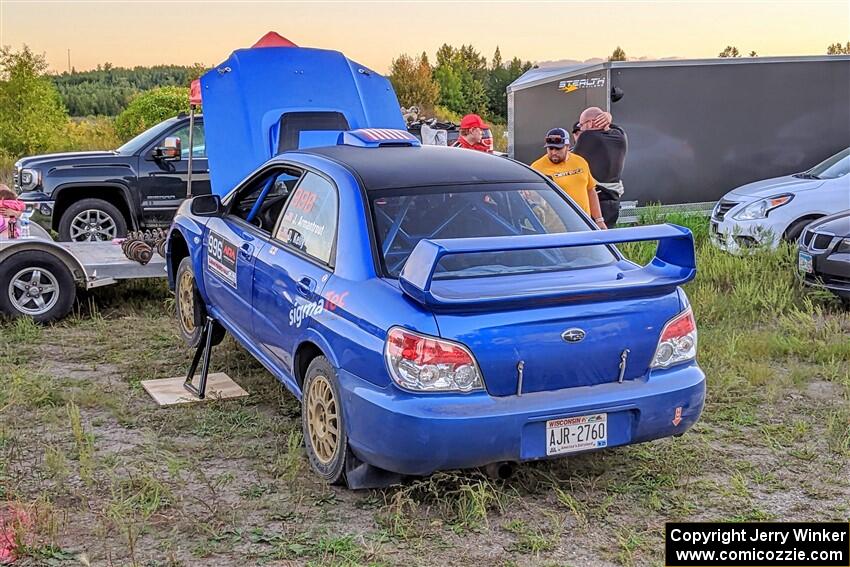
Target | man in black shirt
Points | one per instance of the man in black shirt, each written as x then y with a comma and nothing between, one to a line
604,146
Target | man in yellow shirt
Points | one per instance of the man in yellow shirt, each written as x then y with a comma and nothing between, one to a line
570,172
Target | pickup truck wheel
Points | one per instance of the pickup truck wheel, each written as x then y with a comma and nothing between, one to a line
92,220
191,312
322,422
36,284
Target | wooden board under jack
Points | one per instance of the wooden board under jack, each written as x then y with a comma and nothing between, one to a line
170,391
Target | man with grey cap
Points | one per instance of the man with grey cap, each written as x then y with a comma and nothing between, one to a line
604,146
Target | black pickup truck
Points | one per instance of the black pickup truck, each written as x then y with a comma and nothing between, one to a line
102,195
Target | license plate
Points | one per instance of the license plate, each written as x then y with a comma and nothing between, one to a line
569,434
804,262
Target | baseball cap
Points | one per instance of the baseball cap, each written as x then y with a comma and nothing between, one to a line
472,121
556,138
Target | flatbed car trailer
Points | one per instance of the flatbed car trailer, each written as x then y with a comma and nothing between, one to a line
39,277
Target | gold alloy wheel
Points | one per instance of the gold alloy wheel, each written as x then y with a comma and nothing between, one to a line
322,419
186,301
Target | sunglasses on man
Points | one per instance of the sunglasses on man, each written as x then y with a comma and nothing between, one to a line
556,140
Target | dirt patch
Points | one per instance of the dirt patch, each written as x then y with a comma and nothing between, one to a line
823,391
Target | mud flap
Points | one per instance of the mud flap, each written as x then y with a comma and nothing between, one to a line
360,475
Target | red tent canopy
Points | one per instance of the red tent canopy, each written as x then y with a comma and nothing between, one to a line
271,39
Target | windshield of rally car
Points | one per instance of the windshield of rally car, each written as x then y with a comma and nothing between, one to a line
404,217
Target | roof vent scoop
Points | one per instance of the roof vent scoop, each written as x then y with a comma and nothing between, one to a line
377,138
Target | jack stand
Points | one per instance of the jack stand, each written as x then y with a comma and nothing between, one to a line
204,350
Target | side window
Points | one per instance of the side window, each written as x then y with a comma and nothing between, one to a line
198,141
309,222
262,200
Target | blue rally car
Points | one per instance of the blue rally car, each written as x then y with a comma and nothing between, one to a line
436,308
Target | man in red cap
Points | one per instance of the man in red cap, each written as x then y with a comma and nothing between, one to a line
472,134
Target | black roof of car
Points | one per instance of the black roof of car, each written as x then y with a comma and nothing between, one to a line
398,167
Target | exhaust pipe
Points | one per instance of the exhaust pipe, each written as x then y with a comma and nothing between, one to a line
500,471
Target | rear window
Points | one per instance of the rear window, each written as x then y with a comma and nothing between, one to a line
402,218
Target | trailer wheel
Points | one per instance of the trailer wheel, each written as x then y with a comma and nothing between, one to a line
322,422
191,312
36,284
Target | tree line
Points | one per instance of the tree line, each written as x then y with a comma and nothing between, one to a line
107,90
34,116
461,81
832,49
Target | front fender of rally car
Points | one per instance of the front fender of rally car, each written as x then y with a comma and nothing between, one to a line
186,238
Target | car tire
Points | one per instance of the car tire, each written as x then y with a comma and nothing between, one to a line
190,309
322,422
36,284
796,229
92,220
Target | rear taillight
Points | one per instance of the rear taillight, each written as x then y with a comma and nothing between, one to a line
678,342
427,364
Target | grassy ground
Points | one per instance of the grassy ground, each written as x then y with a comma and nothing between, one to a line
110,479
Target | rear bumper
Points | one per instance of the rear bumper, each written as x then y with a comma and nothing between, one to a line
419,434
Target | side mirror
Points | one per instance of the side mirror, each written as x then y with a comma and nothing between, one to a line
170,150
206,206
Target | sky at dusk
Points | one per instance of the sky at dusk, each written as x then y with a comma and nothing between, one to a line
129,33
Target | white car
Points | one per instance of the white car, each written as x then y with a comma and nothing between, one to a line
764,213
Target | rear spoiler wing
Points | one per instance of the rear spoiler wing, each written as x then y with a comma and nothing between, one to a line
674,263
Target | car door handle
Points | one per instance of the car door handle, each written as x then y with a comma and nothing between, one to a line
306,286
246,251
